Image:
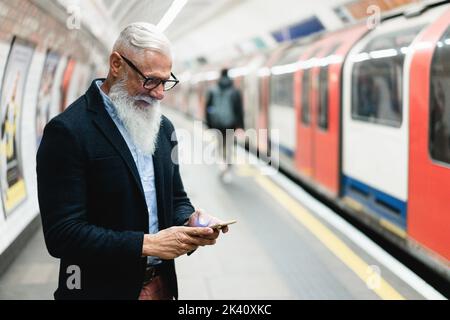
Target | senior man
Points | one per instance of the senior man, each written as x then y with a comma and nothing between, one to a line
112,201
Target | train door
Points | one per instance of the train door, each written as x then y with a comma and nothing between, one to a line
324,133
304,101
326,111
429,157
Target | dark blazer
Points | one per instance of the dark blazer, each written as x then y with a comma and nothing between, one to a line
92,203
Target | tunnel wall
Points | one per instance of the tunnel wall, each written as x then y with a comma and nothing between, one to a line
45,64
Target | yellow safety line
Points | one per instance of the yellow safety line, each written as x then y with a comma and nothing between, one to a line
393,228
383,289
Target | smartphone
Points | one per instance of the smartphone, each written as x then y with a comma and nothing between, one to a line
219,226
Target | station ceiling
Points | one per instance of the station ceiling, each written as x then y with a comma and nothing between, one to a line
212,28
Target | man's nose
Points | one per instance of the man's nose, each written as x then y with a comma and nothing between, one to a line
158,92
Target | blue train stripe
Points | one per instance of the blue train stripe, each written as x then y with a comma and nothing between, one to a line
379,202
283,149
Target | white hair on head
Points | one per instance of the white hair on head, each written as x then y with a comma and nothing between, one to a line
143,35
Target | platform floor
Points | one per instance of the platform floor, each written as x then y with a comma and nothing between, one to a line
279,249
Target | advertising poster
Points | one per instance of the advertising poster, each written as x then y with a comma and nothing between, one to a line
12,183
78,83
45,95
67,77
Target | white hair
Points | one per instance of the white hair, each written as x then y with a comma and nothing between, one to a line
143,35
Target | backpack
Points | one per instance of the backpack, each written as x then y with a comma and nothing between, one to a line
221,111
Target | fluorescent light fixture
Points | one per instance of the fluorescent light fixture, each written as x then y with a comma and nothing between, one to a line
331,59
386,53
310,63
286,68
360,57
264,72
171,14
306,64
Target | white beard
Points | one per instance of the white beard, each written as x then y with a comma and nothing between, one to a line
142,124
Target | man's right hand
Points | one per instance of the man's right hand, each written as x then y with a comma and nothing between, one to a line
175,241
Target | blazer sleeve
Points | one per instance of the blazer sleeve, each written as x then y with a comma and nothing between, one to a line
182,206
61,176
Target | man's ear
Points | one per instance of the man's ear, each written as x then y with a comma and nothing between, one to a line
115,63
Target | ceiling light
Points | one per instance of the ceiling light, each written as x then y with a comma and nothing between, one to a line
171,14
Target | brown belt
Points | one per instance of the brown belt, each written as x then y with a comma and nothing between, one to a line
155,286
151,272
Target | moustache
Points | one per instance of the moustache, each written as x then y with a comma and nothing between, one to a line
149,100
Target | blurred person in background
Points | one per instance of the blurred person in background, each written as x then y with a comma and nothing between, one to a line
224,113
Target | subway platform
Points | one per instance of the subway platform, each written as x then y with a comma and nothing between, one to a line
285,245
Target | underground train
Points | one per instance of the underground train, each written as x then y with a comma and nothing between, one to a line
363,116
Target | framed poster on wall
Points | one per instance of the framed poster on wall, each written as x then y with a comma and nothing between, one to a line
78,83
67,77
45,95
12,183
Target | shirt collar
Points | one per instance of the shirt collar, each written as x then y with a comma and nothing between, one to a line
106,99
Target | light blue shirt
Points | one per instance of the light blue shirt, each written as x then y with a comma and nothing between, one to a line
144,164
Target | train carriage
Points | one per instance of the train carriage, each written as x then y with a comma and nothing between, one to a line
429,157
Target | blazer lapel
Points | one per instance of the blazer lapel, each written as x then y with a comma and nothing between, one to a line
107,126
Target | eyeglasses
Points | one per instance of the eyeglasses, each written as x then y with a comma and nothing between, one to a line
151,83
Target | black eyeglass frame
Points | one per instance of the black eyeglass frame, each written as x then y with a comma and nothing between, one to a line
175,81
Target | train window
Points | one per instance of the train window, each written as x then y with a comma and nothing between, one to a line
377,78
281,90
439,135
282,83
323,92
306,88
